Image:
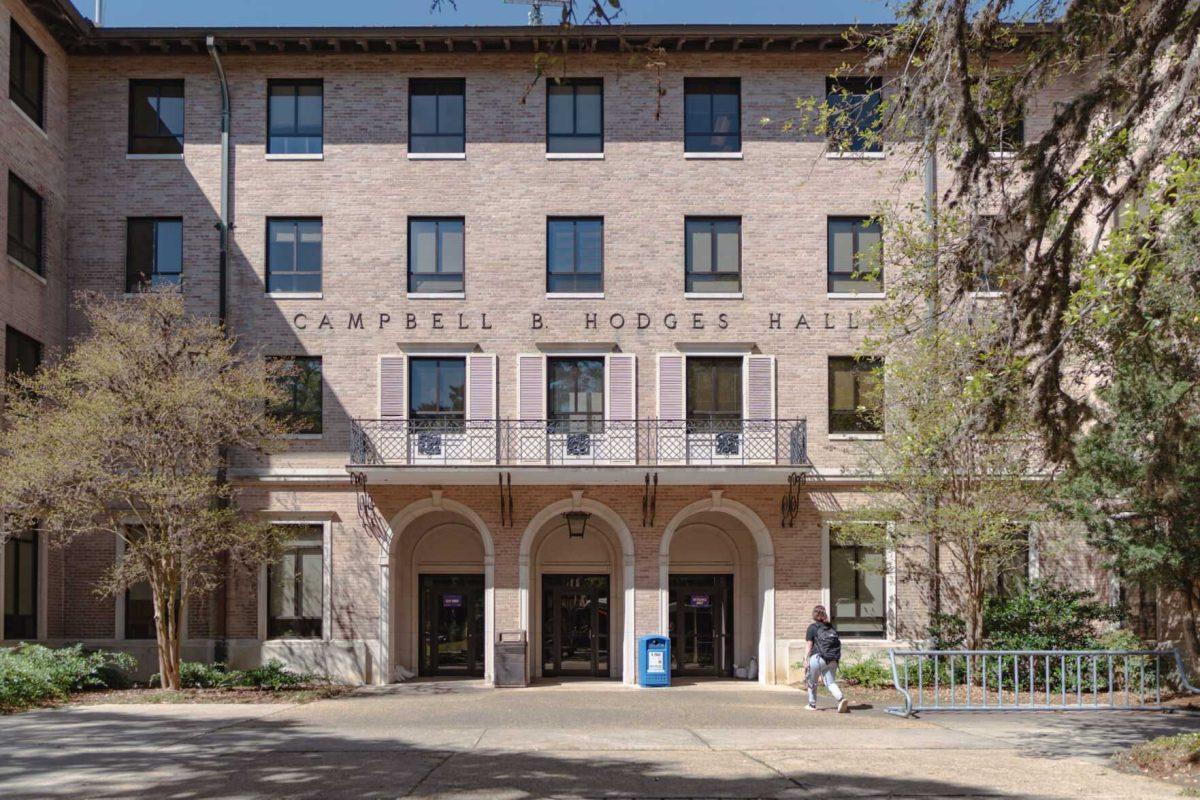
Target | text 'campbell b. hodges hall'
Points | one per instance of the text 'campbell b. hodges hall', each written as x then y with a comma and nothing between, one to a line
575,359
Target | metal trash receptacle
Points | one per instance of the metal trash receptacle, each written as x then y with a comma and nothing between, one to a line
512,663
654,660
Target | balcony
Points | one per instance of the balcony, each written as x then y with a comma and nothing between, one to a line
556,444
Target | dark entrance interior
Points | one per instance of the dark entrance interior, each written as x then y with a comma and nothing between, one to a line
451,609
701,620
575,625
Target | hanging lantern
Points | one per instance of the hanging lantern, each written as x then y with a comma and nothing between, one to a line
576,523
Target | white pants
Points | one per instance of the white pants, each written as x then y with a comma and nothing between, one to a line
821,671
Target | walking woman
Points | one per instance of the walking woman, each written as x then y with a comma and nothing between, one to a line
821,661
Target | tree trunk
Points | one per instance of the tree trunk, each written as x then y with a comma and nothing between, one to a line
1191,639
166,630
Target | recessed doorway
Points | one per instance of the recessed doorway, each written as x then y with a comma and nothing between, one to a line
452,630
701,625
576,618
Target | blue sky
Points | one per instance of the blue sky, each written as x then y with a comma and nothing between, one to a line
168,13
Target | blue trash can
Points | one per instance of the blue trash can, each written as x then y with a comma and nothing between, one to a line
654,661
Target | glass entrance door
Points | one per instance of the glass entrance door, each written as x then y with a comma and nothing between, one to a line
701,624
575,625
451,636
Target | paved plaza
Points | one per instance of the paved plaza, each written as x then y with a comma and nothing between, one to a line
602,740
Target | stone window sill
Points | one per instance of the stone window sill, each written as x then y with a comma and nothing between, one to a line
31,273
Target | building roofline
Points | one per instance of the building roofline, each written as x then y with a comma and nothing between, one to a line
78,35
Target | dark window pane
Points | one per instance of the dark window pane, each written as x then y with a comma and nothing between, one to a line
575,116
22,354
139,611
714,388
855,118
24,224
295,117
26,74
20,600
712,115
303,394
156,111
436,115
712,254
435,255
855,395
575,394
437,388
855,246
574,255
154,253
296,585
857,589
294,255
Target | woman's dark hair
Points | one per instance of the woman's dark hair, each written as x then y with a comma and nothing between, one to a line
820,614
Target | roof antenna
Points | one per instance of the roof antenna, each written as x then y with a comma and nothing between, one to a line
99,15
535,8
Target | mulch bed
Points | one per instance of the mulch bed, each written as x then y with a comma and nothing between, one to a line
1169,758
247,696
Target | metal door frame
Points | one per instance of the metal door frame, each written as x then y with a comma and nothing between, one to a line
722,585
555,595
429,584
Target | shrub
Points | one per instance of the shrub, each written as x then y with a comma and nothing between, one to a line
870,673
31,674
1047,617
273,676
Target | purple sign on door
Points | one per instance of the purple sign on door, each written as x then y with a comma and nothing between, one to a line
452,601
699,600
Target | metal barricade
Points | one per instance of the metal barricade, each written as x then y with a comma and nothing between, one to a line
1035,680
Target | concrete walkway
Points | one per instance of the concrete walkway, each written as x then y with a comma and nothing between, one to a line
459,739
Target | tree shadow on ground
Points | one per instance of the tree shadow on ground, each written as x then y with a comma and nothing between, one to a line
102,753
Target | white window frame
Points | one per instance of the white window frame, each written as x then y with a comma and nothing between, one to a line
326,580
889,555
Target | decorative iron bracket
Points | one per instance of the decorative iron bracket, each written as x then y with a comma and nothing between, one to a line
372,522
649,501
506,500
790,505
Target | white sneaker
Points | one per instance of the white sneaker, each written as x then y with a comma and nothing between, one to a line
843,706
810,708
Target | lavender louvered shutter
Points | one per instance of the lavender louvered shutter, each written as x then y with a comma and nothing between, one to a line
531,386
671,386
393,399
760,388
481,387
620,375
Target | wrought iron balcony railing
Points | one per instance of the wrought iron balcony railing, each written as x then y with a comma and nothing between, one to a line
643,442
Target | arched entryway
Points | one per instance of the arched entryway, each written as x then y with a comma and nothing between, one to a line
717,588
577,594
437,590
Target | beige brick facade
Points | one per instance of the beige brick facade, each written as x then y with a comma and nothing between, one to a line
783,187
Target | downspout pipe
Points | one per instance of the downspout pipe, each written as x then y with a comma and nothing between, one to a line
220,627
223,227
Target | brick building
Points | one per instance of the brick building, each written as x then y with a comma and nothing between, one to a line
519,310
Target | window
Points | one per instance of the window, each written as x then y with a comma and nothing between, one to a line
987,237
575,115
437,391
854,121
21,586
22,354
575,393
574,255
24,224
1012,574
26,75
293,255
153,253
1004,114
855,255
714,393
855,395
435,255
712,117
302,388
295,116
857,589
156,117
713,254
437,115
296,585
139,611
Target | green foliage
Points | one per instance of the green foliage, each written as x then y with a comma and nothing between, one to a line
1046,616
272,676
31,674
946,632
871,673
